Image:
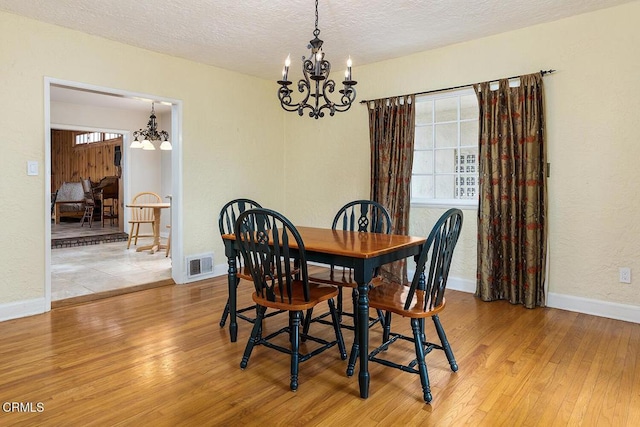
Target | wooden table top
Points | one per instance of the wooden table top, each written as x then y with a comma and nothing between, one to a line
350,243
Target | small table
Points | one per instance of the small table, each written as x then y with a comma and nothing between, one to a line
156,245
363,252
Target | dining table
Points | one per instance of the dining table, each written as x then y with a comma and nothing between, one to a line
361,251
157,210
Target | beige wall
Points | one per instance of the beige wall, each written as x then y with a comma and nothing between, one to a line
220,130
308,168
593,113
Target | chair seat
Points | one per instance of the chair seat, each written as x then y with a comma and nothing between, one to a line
393,297
141,221
317,294
341,277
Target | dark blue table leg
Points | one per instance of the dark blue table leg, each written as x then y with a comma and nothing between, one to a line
363,337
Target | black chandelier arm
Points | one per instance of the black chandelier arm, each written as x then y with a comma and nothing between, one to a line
140,133
348,95
315,109
152,135
284,95
165,135
304,87
322,89
328,86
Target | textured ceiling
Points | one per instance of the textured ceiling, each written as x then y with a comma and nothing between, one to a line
254,36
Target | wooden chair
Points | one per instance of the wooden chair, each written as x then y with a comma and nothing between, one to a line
422,299
359,215
54,196
141,215
270,245
109,210
108,190
89,203
226,224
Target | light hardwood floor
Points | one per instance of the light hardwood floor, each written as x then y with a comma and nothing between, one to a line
158,357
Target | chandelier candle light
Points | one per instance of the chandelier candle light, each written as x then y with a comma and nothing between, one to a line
316,68
151,134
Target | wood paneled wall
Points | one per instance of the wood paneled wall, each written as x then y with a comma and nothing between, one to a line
70,163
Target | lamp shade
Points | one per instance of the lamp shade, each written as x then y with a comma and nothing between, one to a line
147,145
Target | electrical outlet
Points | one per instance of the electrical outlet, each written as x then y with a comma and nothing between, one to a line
625,275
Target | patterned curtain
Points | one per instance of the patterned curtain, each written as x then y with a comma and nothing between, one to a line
391,132
512,228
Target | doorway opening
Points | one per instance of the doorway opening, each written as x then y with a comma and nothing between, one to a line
106,265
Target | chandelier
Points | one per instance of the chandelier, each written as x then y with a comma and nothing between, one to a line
316,69
151,134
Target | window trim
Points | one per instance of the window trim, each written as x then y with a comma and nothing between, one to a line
459,203
102,141
451,203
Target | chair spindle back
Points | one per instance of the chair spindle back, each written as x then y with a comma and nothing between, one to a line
144,214
437,251
363,215
268,243
231,211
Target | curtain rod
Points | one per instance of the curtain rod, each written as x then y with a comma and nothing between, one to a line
543,72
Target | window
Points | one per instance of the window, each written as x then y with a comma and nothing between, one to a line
94,137
445,159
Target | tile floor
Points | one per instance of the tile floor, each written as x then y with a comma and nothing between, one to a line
83,270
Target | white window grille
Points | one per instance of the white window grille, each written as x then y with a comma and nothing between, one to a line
445,168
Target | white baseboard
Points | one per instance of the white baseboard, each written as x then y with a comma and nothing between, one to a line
17,309
612,310
462,285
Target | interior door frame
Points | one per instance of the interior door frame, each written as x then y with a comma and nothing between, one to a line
178,270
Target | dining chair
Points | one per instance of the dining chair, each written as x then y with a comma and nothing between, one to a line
361,216
54,196
423,298
226,224
274,254
141,215
89,202
109,210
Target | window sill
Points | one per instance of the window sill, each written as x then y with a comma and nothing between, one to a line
460,204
